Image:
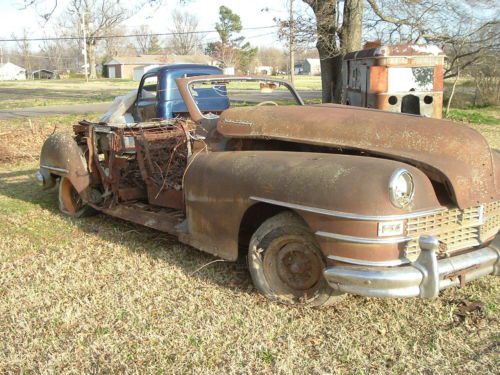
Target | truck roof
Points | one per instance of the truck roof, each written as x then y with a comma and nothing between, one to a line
189,68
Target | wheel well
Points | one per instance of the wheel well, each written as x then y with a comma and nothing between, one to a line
252,219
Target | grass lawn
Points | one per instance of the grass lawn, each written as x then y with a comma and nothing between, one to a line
22,94
489,115
100,295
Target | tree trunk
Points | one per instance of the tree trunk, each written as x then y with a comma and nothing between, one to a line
326,29
331,78
327,78
332,53
92,58
350,40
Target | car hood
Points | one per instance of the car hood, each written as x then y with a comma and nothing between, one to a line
450,153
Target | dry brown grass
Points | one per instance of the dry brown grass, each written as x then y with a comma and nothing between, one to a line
100,295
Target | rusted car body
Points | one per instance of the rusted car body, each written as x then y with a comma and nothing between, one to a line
397,78
321,199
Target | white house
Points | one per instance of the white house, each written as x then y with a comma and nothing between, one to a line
12,72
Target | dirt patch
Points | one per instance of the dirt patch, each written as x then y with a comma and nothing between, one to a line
17,144
22,139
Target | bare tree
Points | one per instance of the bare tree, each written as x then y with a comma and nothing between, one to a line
272,56
24,48
98,17
185,41
466,29
147,42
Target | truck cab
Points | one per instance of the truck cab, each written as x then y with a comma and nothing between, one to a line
158,97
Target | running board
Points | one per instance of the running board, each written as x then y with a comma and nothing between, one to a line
162,219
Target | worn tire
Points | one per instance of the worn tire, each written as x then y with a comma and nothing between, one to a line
286,264
70,202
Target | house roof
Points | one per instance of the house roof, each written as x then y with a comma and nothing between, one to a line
43,70
11,66
159,60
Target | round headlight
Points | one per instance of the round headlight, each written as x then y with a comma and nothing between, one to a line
401,188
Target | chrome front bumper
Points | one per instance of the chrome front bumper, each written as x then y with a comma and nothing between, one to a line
423,278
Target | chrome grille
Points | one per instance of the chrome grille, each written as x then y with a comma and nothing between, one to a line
455,229
490,228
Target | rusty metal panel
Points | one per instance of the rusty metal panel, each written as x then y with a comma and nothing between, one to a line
218,187
62,156
411,77
459,154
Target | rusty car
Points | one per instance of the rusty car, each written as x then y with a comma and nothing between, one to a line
321,200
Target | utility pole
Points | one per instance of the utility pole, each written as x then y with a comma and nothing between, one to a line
291,43
84,50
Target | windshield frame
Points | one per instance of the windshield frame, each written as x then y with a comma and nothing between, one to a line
195,113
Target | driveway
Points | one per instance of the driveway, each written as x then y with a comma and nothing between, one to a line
54,110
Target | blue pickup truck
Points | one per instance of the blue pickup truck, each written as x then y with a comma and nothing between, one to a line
158,96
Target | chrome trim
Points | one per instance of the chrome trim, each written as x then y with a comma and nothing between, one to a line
423,278
366,240
347,215
481,214
392,181
393,223
360,262
62,170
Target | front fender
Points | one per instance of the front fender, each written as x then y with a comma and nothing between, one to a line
61,156
221,186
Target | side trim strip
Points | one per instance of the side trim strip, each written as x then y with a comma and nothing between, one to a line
62,170
342,237
348,215
387,263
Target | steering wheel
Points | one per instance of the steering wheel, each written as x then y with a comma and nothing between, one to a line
267,102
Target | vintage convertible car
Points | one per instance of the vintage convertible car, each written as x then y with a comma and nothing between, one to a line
321,200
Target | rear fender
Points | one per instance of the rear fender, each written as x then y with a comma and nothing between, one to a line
61,156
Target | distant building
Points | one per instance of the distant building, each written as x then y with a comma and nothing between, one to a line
264,70
298,68
12,72
44,74
133,67
228,70
311,67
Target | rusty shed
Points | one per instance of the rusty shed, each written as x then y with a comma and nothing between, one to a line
397,78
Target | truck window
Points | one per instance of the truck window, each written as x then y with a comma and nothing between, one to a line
149,89
146,106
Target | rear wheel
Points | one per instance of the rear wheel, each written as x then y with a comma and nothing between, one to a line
70,202
286,263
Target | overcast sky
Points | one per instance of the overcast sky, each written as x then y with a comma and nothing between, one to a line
13,18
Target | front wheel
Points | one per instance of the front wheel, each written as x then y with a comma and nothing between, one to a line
286,263
70,202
